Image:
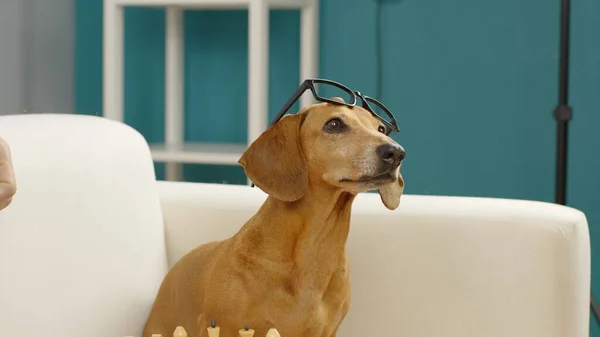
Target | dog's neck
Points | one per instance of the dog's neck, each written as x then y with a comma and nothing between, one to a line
307,234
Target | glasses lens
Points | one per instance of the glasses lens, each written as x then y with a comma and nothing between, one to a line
328,91
381,112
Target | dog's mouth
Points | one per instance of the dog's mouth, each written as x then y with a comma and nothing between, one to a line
381,179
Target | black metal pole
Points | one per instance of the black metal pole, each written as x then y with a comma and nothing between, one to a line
563,114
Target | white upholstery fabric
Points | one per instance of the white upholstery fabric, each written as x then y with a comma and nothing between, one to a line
82,245
82,249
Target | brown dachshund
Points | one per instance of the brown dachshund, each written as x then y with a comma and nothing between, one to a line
286,268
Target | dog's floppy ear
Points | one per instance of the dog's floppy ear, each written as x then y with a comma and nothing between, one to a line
274,161
390,194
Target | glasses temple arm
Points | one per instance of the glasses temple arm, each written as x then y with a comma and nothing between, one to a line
295,96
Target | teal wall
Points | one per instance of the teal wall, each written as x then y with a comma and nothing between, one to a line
473,84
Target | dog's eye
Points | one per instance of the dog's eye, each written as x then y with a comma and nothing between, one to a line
381,129
335,125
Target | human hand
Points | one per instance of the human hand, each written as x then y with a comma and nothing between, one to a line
8,185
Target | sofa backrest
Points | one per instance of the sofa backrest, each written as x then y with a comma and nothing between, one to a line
82,245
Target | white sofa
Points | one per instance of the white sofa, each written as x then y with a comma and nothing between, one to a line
90,234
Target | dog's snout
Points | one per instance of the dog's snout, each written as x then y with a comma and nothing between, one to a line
391,153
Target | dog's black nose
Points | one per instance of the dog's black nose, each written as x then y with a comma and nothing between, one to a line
391,153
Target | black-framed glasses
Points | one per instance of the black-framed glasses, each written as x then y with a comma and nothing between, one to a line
368,103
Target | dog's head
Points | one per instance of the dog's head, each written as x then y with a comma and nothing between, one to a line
341,147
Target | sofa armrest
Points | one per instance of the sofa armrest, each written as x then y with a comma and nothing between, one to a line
437,266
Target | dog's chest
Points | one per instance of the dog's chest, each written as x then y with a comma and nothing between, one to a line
299,301
318,310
